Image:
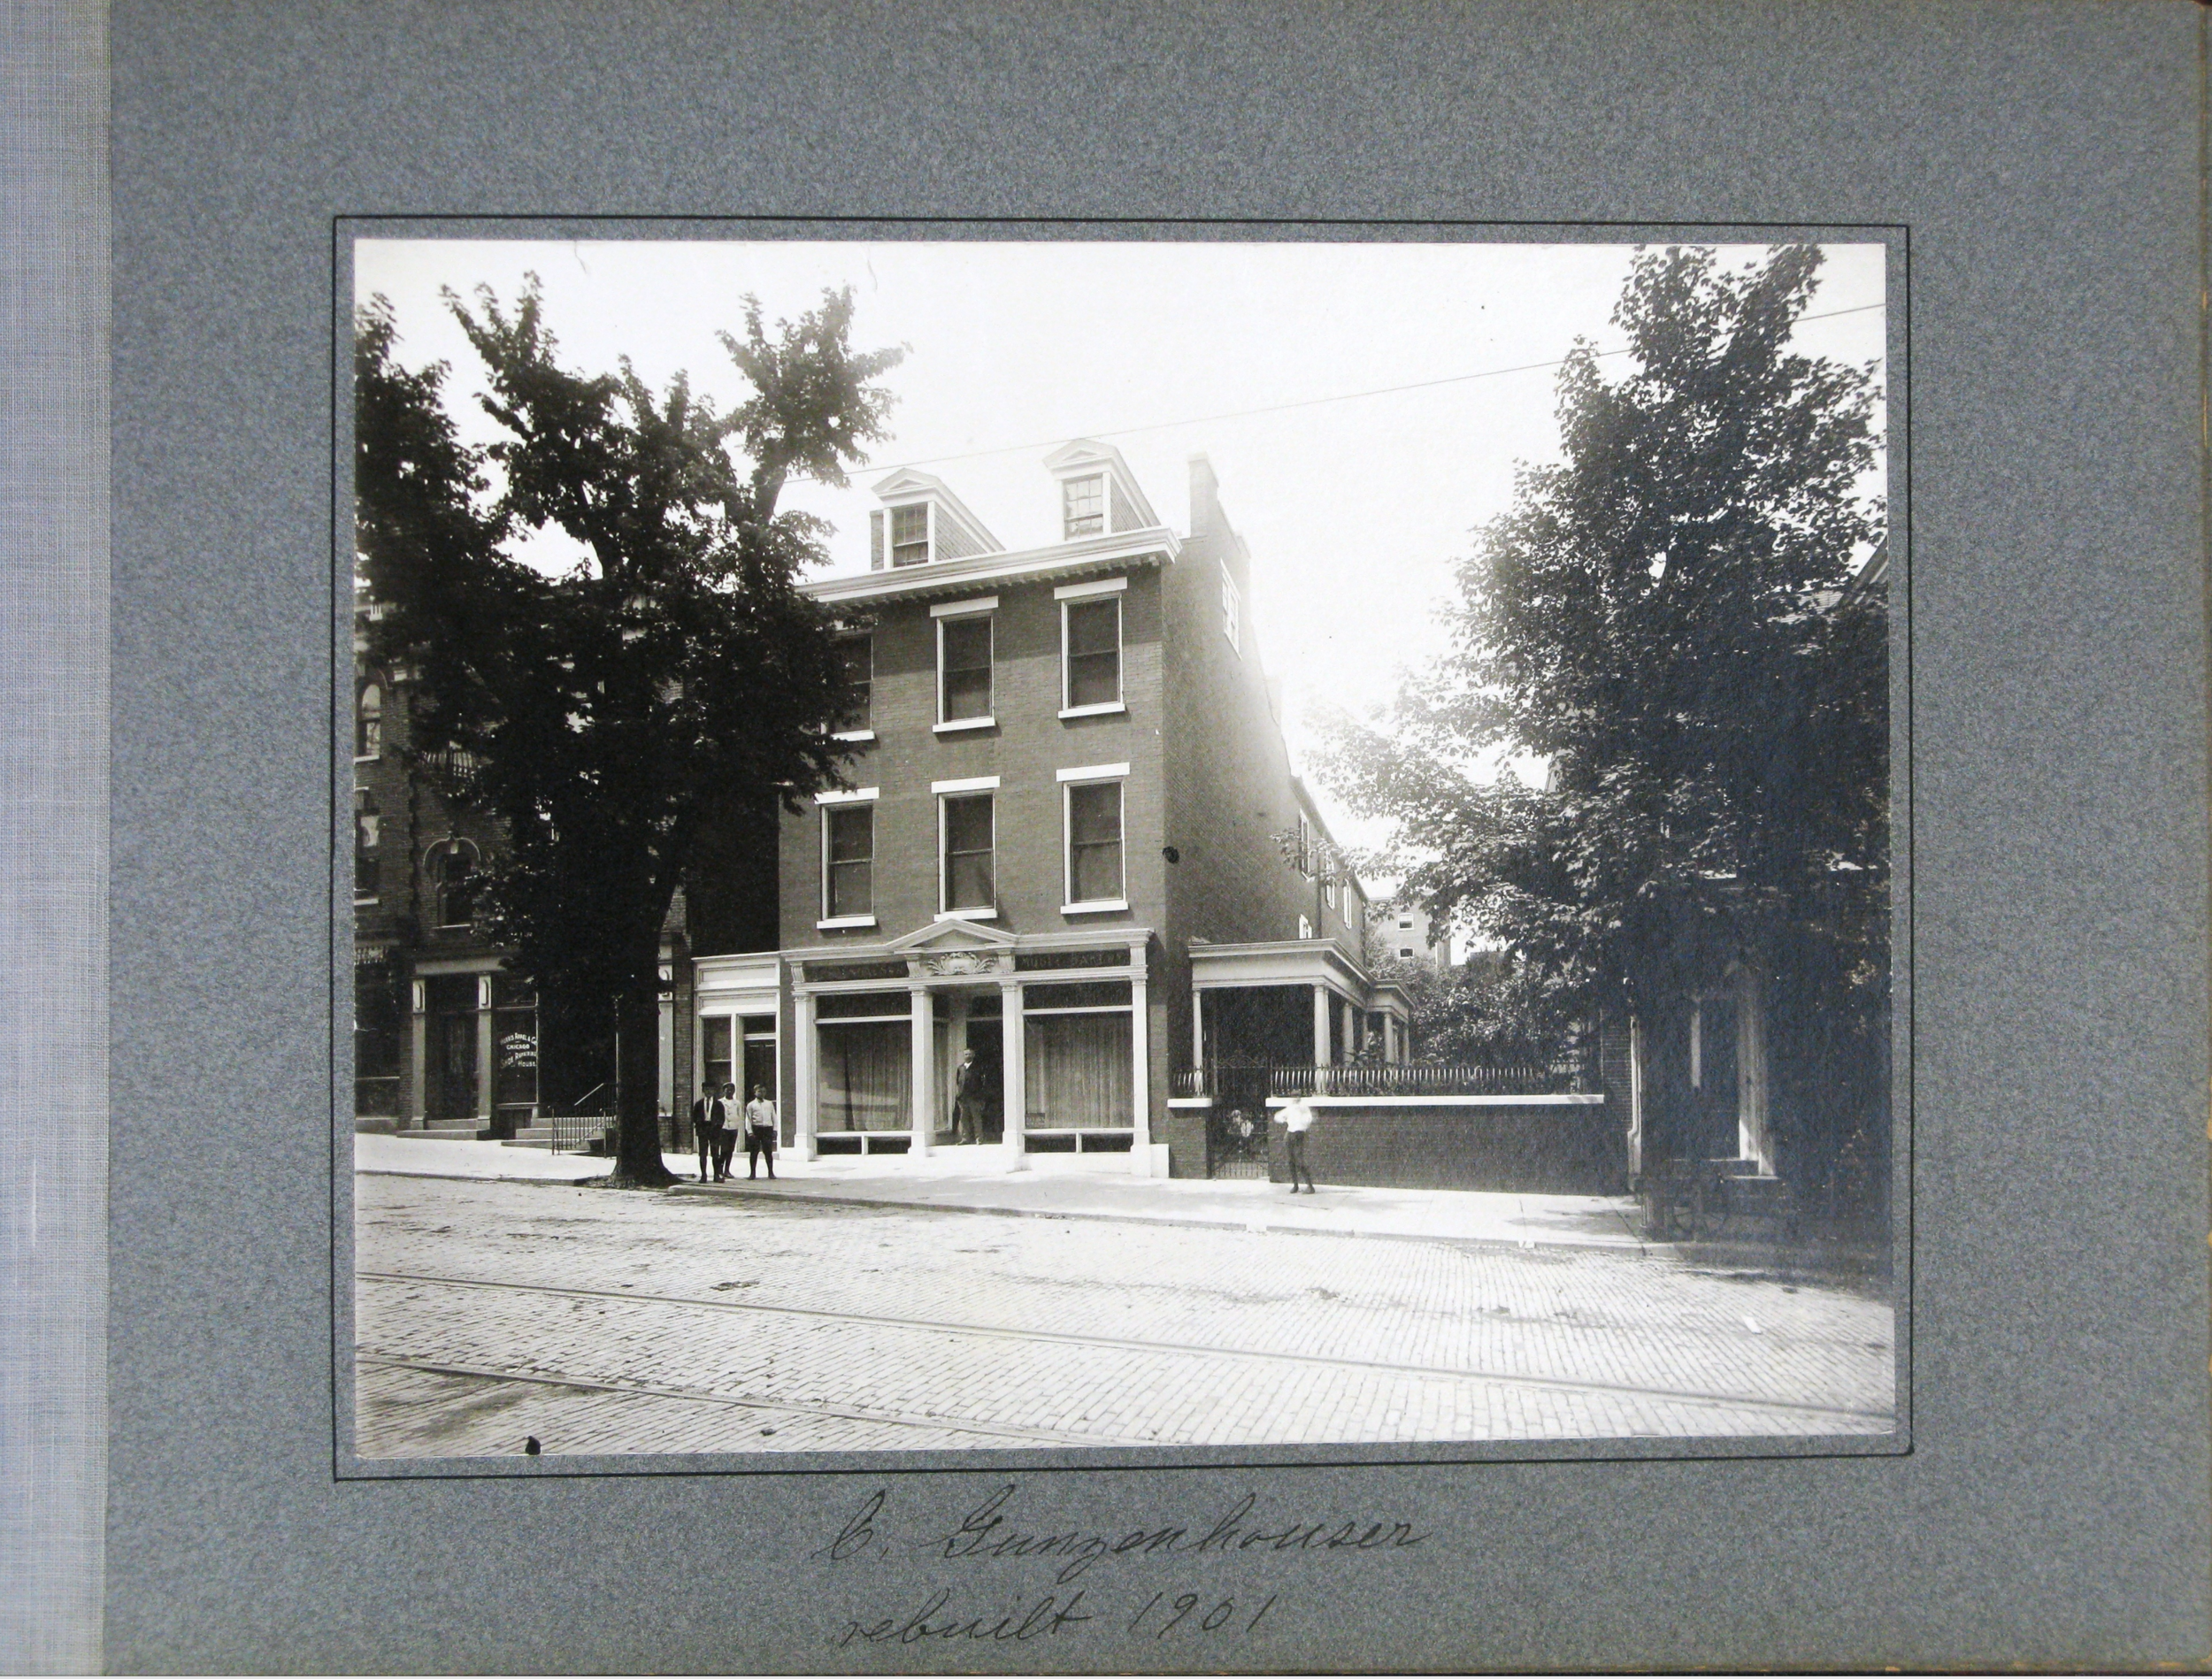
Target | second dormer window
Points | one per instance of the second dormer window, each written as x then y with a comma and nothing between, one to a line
910,534
1084,505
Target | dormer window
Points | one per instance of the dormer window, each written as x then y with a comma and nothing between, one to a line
1083,503
910,534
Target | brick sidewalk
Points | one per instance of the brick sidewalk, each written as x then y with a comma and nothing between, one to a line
606,1322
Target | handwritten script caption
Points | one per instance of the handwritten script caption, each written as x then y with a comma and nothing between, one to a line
984,1609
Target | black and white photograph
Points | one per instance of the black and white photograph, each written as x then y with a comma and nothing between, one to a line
964,843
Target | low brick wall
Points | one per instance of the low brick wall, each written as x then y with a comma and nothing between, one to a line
1547,1148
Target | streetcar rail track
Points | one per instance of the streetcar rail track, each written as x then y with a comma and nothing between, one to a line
1069,1337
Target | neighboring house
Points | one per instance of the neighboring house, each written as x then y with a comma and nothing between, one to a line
1072,845
444,1042
1399,931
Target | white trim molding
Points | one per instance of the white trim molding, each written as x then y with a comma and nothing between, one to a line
1087,591
966,609
1090,772
1108,708
967,784
858,737
1100,906
963,726
833,923
857,795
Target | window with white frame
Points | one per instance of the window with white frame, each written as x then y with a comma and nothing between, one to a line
452,871
857,654
910,534
1090,641
1231,611
366,824
1083,506
849,860
1093,862
368,721
964,668
968,824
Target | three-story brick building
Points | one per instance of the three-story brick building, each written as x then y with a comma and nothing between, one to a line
1073,853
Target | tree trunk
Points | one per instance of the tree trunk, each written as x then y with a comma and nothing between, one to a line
637,1157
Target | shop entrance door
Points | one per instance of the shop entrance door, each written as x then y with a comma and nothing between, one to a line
450,1047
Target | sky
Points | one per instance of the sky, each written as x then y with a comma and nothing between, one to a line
1357,495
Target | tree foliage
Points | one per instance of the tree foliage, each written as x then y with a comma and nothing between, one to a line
1667,620
601,716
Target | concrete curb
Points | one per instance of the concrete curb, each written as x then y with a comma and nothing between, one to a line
1640,1250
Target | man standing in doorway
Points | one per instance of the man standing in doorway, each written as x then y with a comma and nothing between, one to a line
760,1132
967,1100
1297,1121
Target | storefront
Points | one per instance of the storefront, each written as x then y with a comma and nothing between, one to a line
959,1041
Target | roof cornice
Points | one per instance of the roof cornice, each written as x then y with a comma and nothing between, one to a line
1155,546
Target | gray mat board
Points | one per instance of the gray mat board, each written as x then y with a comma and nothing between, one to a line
2053,1509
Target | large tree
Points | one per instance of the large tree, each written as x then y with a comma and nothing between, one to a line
602,715
1667,622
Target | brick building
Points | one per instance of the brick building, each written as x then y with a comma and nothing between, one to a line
1073,848
445,1043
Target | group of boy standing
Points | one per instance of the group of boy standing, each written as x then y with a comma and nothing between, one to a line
716,1123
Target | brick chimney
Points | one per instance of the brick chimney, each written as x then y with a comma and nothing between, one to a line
1206,517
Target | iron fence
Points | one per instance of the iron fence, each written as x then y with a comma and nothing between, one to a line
1401,1078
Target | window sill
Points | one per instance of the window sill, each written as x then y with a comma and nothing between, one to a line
1097,906
964,725
1111,708
967,915
361,903
835,923
860,736
368,757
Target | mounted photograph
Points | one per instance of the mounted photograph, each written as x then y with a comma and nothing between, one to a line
1279,847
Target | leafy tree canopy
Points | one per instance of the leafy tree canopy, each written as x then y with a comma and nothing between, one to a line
601,716
1667,619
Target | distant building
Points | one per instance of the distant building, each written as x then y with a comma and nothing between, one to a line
1399,931
1074,846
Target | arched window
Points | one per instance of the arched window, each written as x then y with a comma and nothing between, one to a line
452,870
368,721
365,839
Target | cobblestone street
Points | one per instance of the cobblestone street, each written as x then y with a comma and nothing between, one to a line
603,1322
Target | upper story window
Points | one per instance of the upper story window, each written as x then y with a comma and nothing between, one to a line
968,827
1090,647
1308,864
366,838
1231,611
452,870
1093,828
368,721
1405,923
963,669
910,534
848,862
1083,506
858,653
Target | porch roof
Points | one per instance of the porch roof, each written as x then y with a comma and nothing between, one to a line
1280,961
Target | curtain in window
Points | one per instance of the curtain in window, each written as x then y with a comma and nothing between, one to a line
1095,842
865,1072
1078,1070
1094,652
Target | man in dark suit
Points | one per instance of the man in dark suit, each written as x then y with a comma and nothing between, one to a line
702,1130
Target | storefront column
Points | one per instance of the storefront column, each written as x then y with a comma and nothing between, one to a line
1013,1088
804,1047
1753,1140
484,1069
925,1073
1141,1086
418,1055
